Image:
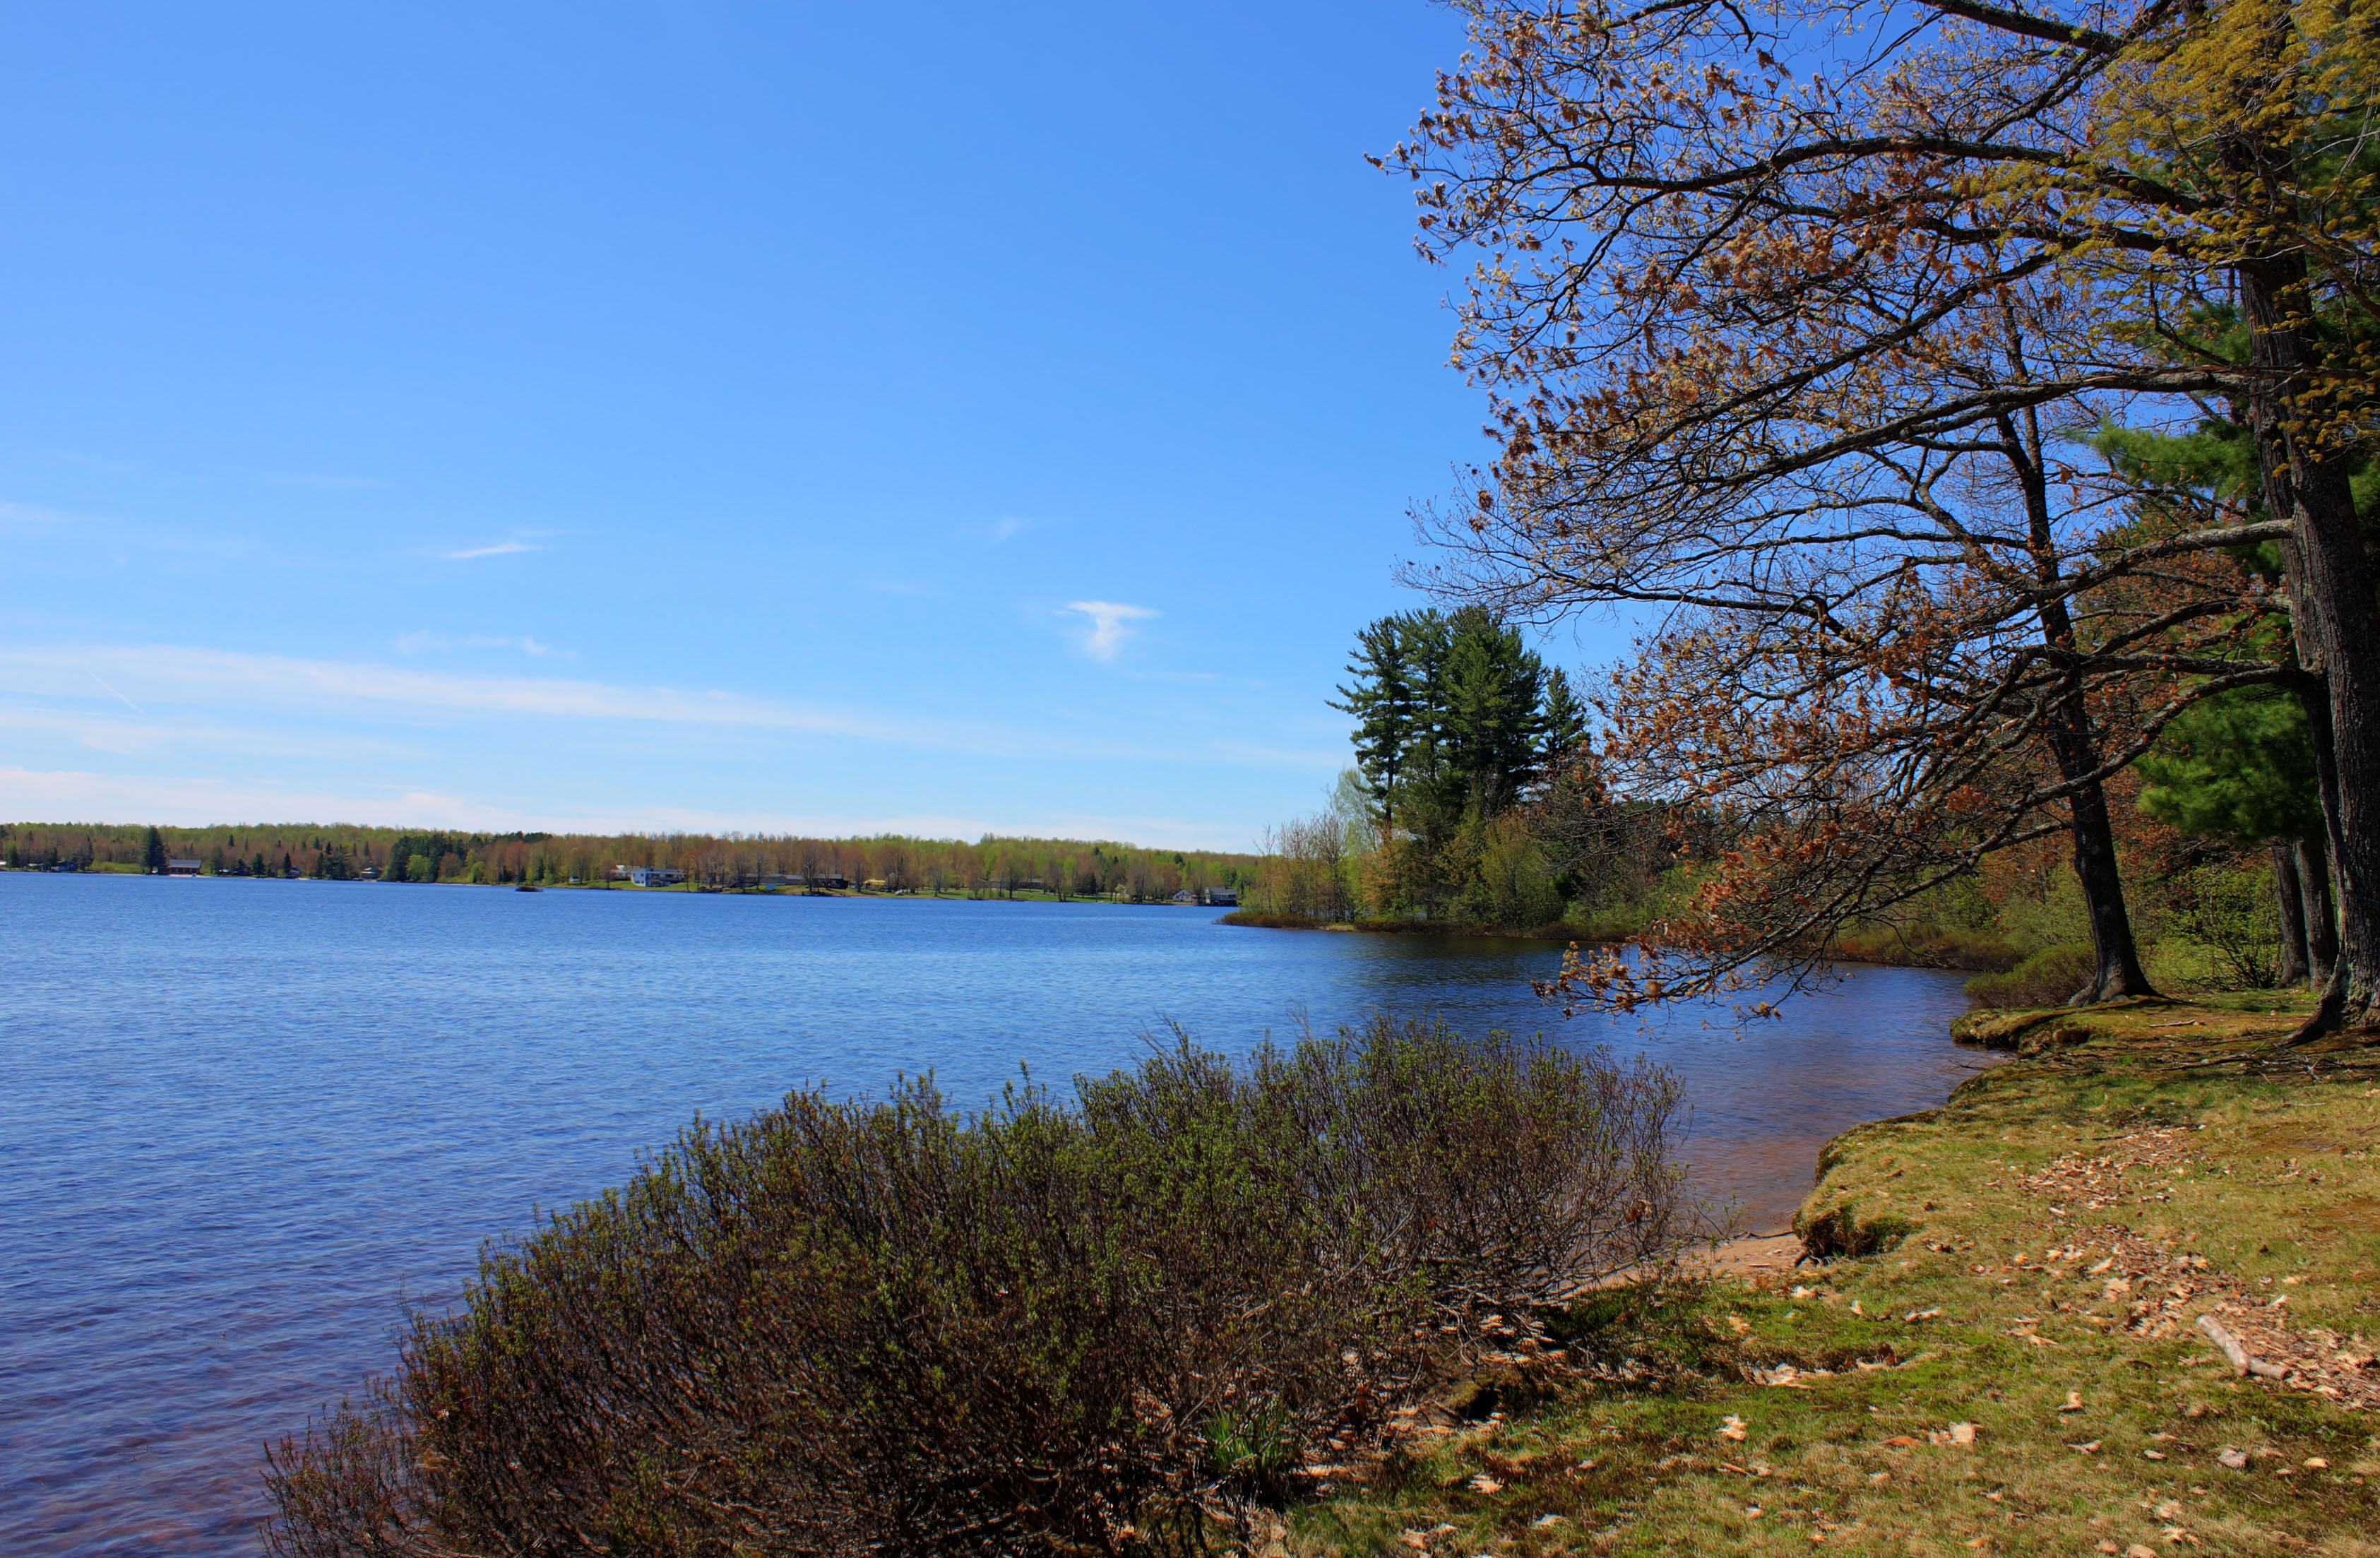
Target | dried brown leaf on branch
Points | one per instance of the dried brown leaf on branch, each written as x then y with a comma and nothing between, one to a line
1791,318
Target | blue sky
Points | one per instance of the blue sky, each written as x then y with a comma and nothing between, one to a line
941,418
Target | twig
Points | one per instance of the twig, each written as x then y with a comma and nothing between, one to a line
2206,1061
2242,1360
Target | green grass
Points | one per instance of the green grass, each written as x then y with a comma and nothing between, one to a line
1647,1464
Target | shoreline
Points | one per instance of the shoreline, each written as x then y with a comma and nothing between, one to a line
1992,1327
945,897
1992,958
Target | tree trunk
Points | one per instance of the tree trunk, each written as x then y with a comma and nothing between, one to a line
2120,973
2321,922
2288,897
2073,744
2335,617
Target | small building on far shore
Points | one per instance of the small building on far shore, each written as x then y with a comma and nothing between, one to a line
183,868
655,876
1224,897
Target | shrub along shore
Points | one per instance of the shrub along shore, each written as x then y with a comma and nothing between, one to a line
1089,1325
1400,1292
1995,1346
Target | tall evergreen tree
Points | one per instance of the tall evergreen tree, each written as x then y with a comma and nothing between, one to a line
1491,714
1455,716
1386,698
1565,717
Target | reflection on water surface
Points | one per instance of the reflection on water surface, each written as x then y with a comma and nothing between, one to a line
247,1121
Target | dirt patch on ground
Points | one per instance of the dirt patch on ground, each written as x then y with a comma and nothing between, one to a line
2152,1288
1762,1260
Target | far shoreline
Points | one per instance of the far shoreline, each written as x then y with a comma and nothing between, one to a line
704,889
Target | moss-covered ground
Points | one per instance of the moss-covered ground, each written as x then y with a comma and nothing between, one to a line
2014,1365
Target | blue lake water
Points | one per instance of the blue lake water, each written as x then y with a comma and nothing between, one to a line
245,1123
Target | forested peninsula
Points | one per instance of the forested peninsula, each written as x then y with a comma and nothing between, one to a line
1477,803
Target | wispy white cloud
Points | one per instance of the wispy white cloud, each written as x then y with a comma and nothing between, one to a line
1281,757
497,549
1008,527
63,527
69,795
117,696
1193,678
175,674
181,801
104,730
32,516
419,643
1110,622
1155,833
227,700
215,680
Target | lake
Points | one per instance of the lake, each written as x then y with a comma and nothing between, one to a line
248,1122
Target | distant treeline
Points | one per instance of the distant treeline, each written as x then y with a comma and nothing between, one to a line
890,862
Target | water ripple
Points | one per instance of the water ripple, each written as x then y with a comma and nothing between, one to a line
246,1123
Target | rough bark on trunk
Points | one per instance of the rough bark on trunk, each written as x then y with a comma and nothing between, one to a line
2119,974
2073,744
2289,898
2335,617
2320,920
2075,747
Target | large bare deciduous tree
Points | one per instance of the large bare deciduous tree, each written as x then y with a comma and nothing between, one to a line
1784,314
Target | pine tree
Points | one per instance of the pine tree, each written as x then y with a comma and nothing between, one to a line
1491,714
1565,718
1455,716
1390,671
2240,768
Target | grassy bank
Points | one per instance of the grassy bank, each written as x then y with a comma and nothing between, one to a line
2012,1365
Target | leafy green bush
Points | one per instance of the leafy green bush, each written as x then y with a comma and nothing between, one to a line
1272,921
2229,911
840,1328
2049,978
1510,884
1926,947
